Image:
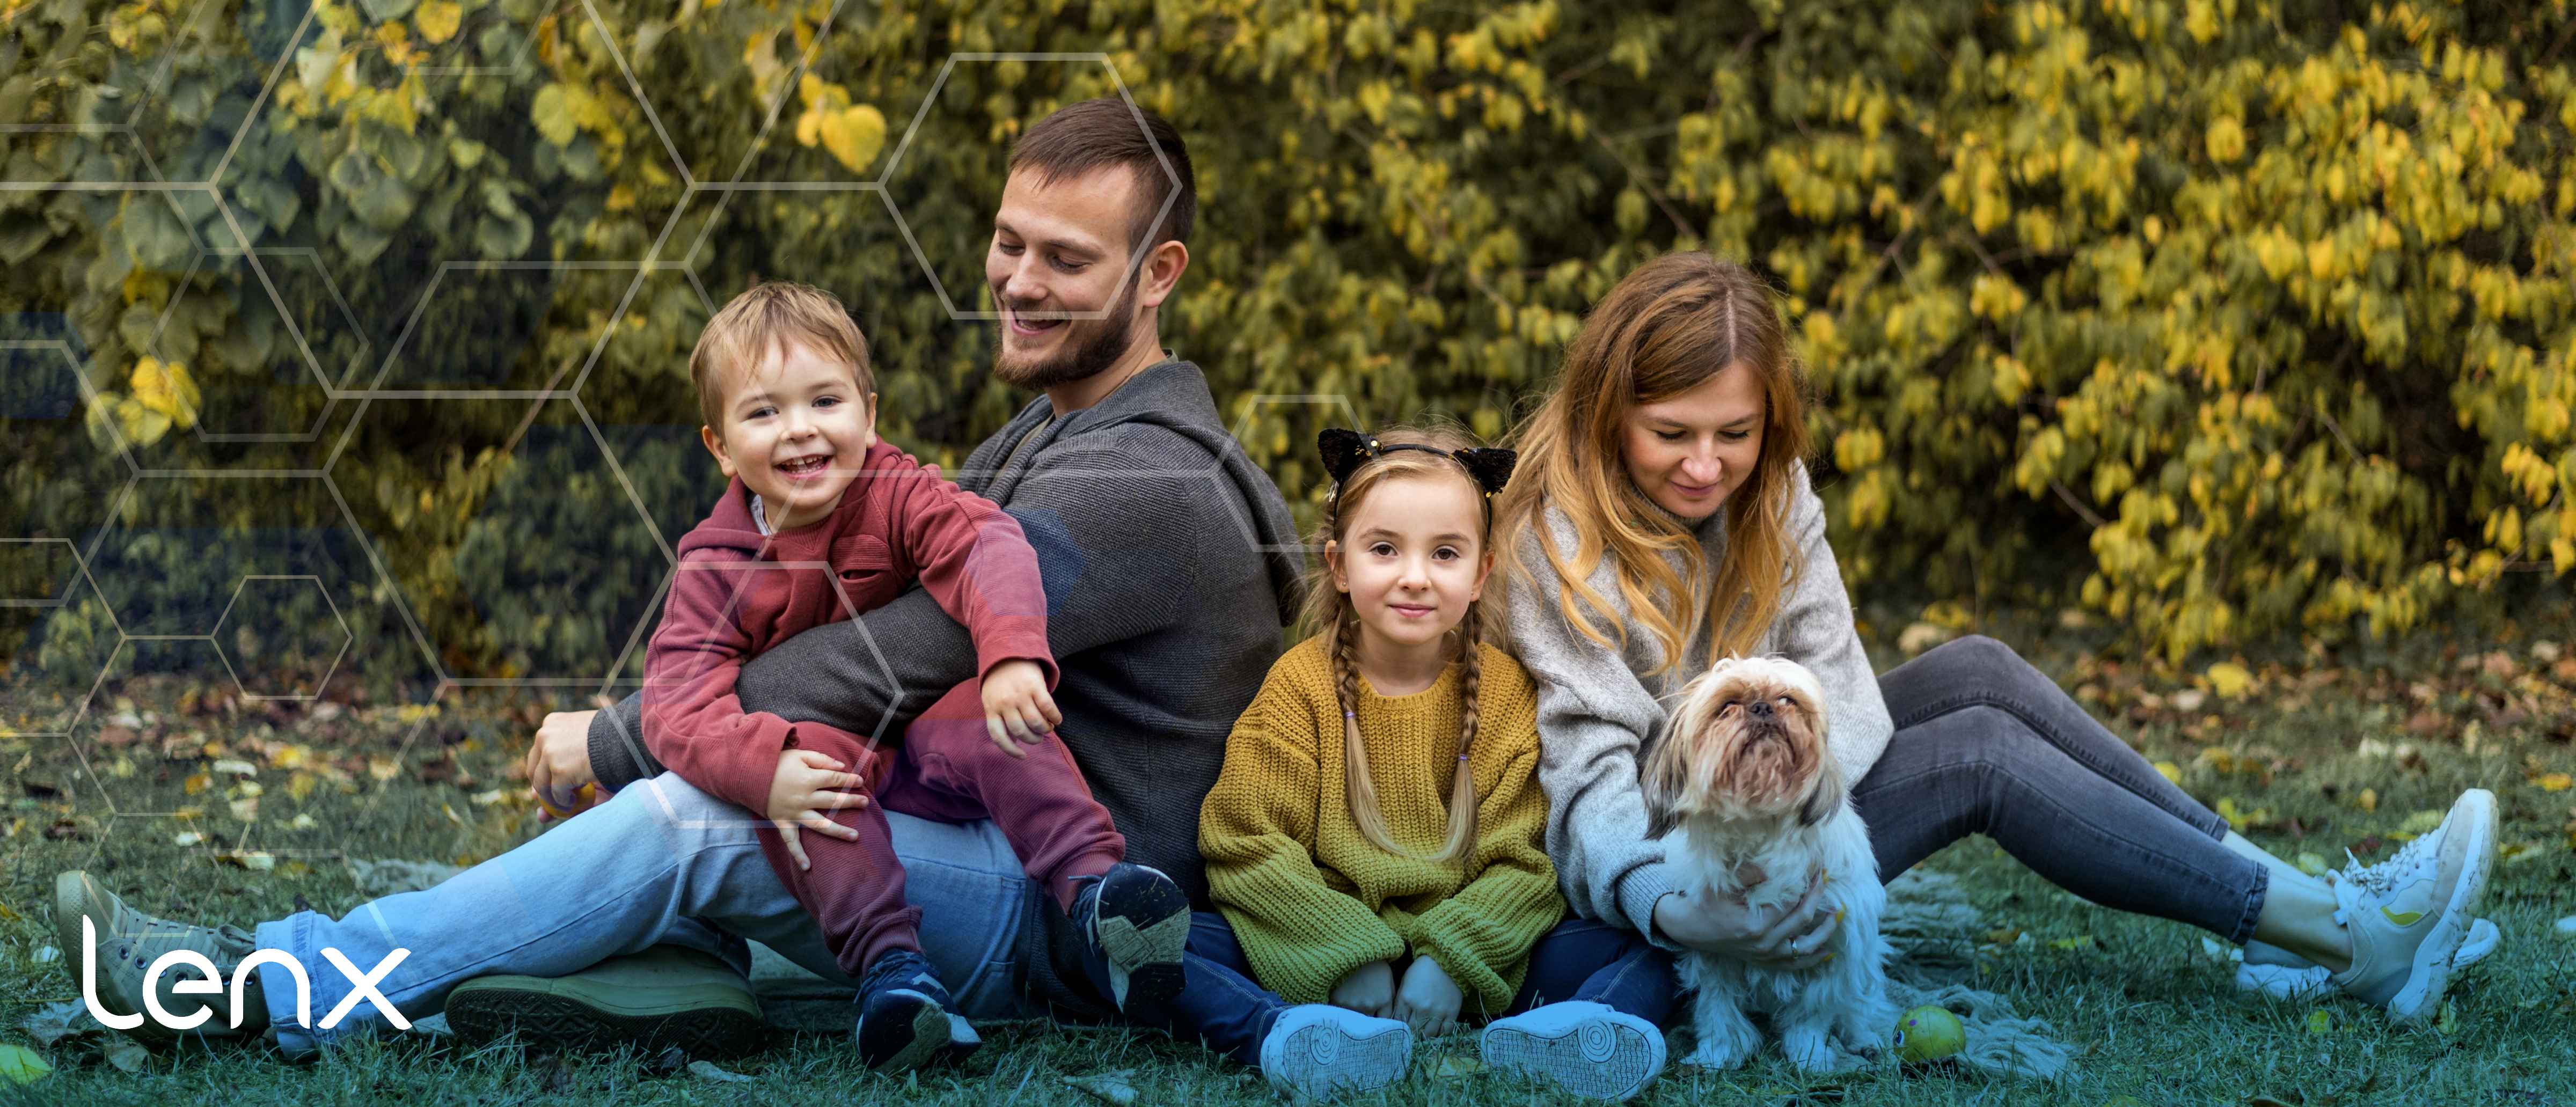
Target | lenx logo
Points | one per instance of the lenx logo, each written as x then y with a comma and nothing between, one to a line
362,986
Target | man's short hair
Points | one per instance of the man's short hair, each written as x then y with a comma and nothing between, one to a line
769,315
1103,133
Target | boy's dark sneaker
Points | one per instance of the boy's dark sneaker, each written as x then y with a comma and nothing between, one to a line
904,1022
1134,923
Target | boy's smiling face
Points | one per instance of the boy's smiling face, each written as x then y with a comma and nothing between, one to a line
796,430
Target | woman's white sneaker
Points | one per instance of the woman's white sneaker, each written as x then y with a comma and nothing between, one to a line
1585,1048
2409,916
1319,1052
2282,974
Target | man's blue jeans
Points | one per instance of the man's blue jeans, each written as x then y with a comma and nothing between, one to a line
1581,959
661,862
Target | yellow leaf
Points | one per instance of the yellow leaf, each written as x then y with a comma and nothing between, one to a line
21,1065
2079,942
437,20
854,135
2171,771
198,783
2368,800
2226,139
2311,864
164,387
2320,1022
2554,782
2229,680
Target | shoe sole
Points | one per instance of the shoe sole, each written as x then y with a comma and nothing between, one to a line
1322,1056
2422,993
1144,929
909,1042
547,1021
1595,1058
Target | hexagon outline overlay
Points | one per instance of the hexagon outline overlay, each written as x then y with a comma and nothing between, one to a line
346,638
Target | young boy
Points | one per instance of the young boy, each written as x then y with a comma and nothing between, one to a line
821,521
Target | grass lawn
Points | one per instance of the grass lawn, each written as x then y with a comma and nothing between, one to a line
2152,1015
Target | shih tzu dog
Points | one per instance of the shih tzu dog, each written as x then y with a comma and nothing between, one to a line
1753,803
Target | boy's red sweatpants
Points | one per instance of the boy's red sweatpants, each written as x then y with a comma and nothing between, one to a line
947,769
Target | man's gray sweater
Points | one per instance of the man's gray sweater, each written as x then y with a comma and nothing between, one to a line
1171,565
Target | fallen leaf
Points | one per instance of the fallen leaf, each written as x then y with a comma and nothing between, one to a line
2368,800
237,768
2321,1022
20,1065
1456,1065
8,913
2170,770
2229,679
198,782
123,1053
2311,864
707,1070
2081,941
2448,1022
2554,782
54,1022
186,838
1112,1087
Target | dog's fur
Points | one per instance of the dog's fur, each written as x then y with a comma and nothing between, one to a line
1754,802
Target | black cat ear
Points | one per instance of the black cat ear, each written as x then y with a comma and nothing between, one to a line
1343,451
1492,468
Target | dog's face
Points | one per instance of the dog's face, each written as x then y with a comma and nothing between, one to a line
1747,743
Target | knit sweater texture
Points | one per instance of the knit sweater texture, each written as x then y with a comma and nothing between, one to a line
1311,899
1599,711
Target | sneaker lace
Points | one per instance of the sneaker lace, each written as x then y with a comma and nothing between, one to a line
2357,878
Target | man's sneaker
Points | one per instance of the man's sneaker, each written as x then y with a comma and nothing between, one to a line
1134,923
123,944
1585,1048
663,997
2409,915
904,1022
1320,1051
2282,974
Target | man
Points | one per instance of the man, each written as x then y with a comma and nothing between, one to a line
1170,569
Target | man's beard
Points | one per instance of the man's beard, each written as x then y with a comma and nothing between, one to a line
1090,346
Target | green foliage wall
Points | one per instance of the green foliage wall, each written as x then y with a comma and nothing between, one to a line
2228,318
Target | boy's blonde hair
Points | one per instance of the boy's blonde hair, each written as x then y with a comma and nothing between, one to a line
1328,611
768,315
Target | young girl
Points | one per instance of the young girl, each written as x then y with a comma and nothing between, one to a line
1375,842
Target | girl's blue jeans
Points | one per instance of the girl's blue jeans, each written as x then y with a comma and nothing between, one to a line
1581,959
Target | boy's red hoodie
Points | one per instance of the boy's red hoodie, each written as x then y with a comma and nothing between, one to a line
738,592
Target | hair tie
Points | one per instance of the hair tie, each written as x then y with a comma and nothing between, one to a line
1350,714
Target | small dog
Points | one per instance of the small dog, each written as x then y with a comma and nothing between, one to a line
1743,774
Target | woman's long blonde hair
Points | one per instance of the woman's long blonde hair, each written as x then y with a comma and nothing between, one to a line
1328,611
1666,328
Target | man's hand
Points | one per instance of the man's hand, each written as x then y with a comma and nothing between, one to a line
1016,705
1791,937
559,758
1428,1000
1368,989
803,790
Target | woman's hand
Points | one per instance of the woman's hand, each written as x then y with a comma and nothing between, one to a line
1428,1000
559,758
1791,937
1368,989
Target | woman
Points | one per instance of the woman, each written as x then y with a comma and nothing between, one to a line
1661,516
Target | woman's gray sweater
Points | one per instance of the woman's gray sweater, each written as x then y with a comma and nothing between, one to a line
1598,712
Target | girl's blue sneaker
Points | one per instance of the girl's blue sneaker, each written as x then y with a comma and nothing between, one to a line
904,1021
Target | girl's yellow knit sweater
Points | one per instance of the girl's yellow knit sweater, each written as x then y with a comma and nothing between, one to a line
1311,899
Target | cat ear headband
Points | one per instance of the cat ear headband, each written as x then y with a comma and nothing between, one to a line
1344,451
